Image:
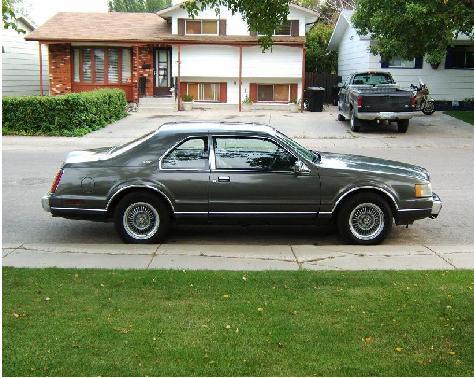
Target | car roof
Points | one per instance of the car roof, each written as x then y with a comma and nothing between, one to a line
180,127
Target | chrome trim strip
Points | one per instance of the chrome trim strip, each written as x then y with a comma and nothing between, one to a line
78,209
325,213
190,212
403,210
365,187
138,186
260,212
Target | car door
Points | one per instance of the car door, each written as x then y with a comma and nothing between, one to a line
253,175
184,171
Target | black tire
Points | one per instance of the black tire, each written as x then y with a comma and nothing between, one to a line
355,123
428,108
402,125
148,208
340,117
369,205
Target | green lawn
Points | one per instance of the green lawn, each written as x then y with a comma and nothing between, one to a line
121,323
467,116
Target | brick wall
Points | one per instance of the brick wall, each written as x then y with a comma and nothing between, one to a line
142,57
59,69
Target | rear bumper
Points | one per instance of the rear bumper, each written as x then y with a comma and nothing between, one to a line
45,203
437,206
372,116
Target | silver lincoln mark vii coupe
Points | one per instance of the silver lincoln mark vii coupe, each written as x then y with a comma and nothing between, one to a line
216,172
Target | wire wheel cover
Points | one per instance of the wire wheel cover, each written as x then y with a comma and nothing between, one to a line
366,221
141,220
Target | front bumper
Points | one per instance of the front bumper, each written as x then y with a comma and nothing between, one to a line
372,116
45,203
437,206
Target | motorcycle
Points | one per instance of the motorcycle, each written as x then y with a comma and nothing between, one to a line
423,103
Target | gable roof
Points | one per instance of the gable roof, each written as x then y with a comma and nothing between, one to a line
103,27
343,21
166,12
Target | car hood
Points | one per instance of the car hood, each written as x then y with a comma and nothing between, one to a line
370,164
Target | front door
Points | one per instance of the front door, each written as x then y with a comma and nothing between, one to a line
162,72
255,177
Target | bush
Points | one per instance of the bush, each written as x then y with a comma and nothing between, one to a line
74,114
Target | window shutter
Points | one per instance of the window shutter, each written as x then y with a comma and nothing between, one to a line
183,88
223,92
449,58
419,62
181,26
383,62
253,92
295,28
222,27
293,92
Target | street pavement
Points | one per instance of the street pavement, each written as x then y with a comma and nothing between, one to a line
443,145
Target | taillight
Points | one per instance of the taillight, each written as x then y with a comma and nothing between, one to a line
413,102
56,181
359,102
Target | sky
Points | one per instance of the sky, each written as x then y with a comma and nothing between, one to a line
41,10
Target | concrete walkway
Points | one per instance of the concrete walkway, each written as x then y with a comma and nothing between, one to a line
234,257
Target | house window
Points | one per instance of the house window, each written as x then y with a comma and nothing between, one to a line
206,27
204,91
273,92
401,63
284,29
460,57
102,65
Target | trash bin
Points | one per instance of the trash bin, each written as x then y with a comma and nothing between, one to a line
314,98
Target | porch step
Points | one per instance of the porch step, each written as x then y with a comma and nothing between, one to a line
157,104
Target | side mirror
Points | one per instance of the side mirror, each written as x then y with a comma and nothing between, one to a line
340,85
301,168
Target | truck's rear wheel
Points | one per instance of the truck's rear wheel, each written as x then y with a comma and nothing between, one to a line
355,123
402,125
340,117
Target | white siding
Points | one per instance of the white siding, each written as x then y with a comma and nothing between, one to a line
20,65
450,84
281,62
353,53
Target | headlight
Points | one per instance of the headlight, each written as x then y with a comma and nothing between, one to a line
423,190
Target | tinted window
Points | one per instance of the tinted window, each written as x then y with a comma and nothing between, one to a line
372,78
191,154
252,153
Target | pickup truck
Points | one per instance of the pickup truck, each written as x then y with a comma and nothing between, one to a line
374,96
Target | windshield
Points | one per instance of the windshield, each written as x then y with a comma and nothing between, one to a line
300,150
133,143
372,78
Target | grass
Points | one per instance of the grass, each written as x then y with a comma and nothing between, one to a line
135,323
466,116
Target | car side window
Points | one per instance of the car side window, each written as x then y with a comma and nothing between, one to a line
190,154
251,154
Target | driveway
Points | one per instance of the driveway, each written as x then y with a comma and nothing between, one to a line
442,144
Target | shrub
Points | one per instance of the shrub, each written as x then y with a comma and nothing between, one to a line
74,114
187,98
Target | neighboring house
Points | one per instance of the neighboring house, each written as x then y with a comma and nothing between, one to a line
20,62
453,80
152,54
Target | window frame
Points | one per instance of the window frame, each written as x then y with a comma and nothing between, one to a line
199,83
106,65
402,67
201,20
282,35
213,158
452,66
181,142
273,101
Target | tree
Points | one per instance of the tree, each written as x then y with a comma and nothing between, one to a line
317,57
413,28
142,6
9,15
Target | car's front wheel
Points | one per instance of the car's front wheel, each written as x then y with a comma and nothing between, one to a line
364,218
141,218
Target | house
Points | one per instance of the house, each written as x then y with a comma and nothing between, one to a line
213,57
452,80
20,62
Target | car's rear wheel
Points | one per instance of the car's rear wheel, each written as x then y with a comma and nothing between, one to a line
355,123
141,218
340,117
364,218
402,125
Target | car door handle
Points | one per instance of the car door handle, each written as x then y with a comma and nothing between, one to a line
223,179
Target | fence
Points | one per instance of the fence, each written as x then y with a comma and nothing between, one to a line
327,81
